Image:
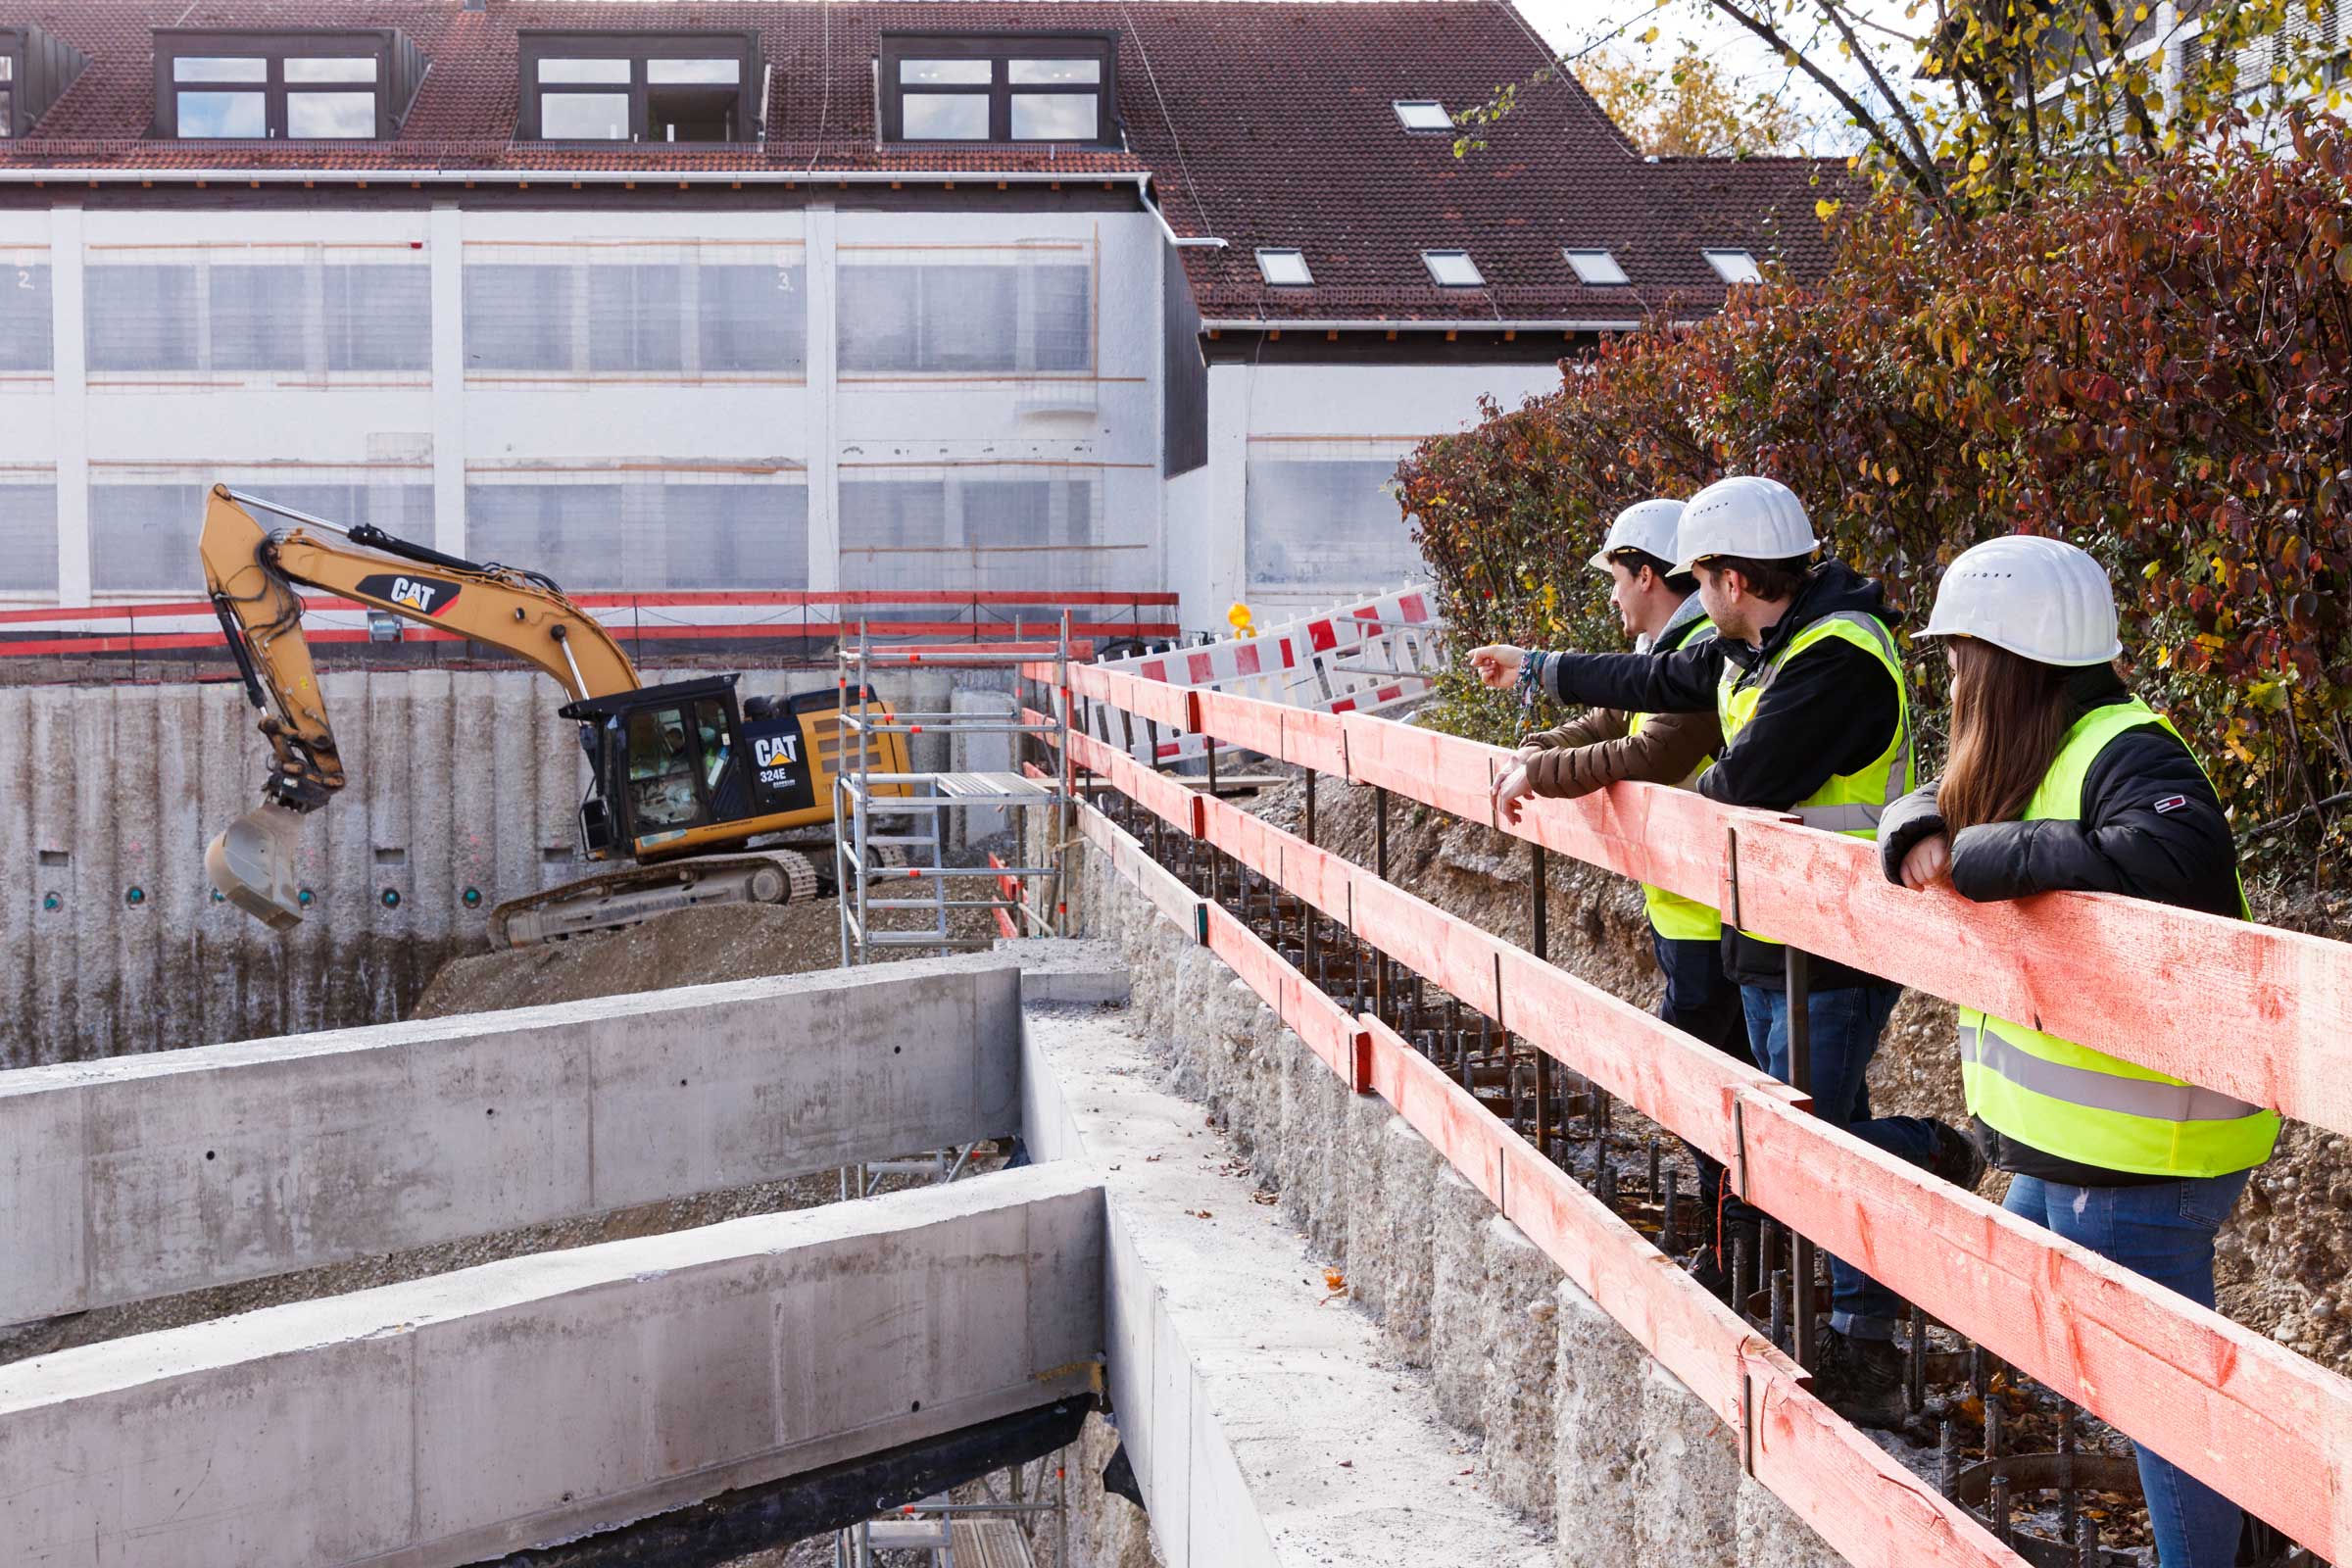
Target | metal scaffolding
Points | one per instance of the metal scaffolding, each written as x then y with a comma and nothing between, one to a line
863,797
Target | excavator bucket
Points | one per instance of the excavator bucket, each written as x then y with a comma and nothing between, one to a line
252,863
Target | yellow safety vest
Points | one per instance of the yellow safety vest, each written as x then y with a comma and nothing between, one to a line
1671,916
2081,1105
1849,803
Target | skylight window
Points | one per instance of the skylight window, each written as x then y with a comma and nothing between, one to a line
997,87
641,86
249,84
1598,269
1284,268
1735,267
1453,269
1423,114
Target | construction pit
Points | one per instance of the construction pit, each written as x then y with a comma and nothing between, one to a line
1071,1253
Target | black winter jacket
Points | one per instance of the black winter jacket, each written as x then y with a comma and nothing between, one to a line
1832,710
2152,828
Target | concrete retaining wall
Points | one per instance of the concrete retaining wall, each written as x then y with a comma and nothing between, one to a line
477,1413
152,1175
1578,1428
459,779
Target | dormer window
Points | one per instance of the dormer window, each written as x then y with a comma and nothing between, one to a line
346,84
1735,267
641,86
1422,113
997,87
34,71
1597,270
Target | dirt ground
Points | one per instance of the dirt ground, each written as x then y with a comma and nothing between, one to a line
2284,1264
689,948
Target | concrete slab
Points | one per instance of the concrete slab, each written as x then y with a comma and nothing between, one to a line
477,1413
1263,1426
1459,1216
1068,972
1686,1477
1410,1166
1772,1536
1517,1312
1596,1434
152,1175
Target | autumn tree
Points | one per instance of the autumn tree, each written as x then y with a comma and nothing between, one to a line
1690,109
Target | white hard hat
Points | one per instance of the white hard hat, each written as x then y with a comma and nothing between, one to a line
2040,598
1645,525
1746,515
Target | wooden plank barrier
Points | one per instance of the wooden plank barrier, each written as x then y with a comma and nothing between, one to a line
1242,721
1310,739
2221,1402
1132,860
1337,1039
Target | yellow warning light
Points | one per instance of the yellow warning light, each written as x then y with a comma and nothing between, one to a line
1239,618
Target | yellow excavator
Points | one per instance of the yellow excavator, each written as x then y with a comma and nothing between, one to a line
680,774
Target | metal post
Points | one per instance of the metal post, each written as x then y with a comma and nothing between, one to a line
1798,975
1310,806
1541,901
1380,868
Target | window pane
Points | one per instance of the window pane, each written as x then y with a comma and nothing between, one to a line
945,73
378,318
876,317
943,117
1060,321
8,68
1283,267
571,532
584,70
1453,269
8,118
752,319
517,317
891,515
1423,115
1041,72
140,318
730,537
216,67
349,116
26,334
204,114
28,538
257,317
636,318
1597,268
143,536
332,68
726,72
968,320
584,116
1054,116
1329,525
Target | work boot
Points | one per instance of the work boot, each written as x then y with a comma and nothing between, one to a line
1957,1156
1862,1379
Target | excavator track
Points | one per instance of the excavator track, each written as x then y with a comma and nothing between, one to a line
625,898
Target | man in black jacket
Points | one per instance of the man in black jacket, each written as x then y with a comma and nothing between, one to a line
1807,684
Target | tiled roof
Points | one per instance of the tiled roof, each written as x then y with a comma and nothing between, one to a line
1263,122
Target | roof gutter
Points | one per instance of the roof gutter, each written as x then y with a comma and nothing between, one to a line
1465,324
113,176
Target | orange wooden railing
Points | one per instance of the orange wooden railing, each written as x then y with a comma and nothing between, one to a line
2259,1012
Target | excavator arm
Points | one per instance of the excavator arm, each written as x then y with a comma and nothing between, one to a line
252,574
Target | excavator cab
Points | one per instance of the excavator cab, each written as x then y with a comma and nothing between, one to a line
681,768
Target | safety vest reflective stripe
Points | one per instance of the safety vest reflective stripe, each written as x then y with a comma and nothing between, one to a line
1671,916
2081,1105
2153,1098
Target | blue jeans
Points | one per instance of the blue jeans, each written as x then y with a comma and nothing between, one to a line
2163,1232
1845,1025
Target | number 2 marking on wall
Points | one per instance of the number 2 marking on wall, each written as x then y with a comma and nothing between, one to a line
24,277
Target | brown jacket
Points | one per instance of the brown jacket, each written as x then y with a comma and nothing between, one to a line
1588,752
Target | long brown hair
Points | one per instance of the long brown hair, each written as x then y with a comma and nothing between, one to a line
2009,717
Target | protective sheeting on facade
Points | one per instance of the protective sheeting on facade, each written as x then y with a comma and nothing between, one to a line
26,343
144,517
300,312
1034,526
28,530
1021,309
644,525
1321,517
699,310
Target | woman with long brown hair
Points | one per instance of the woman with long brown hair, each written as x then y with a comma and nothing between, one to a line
2061,779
